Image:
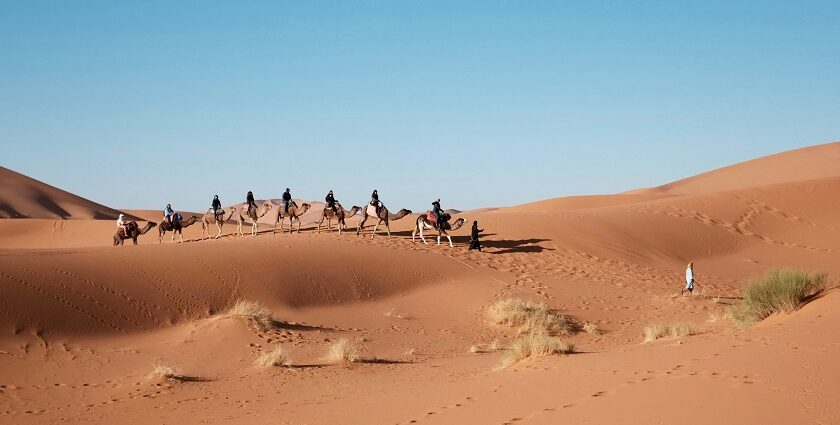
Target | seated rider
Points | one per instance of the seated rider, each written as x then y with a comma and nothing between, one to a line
374,200
249,201
330,201
287,199
217,207
168,212
438,212
122,224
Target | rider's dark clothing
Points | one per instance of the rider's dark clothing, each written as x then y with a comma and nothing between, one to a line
287,200
330,201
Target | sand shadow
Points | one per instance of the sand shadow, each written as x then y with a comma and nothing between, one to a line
290,326
509,246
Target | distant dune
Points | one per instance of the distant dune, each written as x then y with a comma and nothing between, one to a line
25,197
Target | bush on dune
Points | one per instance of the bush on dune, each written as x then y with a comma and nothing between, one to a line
255,314
342,351
531,317
536,344
276,357
779,290
656,331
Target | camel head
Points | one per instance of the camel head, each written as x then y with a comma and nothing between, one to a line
353,211
304,207
458,223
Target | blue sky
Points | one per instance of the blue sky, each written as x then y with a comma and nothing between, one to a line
479,103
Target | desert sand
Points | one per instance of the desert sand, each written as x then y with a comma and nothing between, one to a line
83,323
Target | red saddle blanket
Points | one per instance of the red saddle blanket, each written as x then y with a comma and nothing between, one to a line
430,216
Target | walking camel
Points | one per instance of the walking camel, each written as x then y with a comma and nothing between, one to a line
384,217
209,217
294,212
252,214
175,229
339,214
133,231
423,223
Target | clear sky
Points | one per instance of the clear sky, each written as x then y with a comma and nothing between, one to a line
136,104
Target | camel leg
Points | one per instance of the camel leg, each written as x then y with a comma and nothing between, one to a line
421,234
361,227
319,225
388,228
450,241
375,227
181,235
218,235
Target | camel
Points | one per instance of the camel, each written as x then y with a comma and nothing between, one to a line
209,218
166,227
423,223
133,232
340,214
253,215
295,212
384,217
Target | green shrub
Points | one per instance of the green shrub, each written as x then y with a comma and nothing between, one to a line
779,290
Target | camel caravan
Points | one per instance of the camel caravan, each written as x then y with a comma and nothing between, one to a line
435,220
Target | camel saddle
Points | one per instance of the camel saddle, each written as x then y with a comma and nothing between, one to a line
430,215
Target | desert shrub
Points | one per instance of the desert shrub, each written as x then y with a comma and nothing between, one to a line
257,316
276,357
779,290
534,345
656,331
531,317
342,351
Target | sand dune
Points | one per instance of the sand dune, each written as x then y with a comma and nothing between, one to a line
82,323
25,197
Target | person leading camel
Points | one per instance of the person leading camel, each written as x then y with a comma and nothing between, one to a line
287,200
168,212
330,201
122,224
217,207
474,243
249,201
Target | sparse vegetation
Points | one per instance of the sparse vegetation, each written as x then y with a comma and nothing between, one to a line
276,357
531,317
165,371
779,290
656,331
591,328
257,316
534,345
486,348
393,313
342,351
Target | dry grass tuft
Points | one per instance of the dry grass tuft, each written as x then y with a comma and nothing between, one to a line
529,316
534,345
276,357
343,351
257,316
656,331
396,315
165,371
779,290
591,328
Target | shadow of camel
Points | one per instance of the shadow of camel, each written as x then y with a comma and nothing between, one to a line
509,246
